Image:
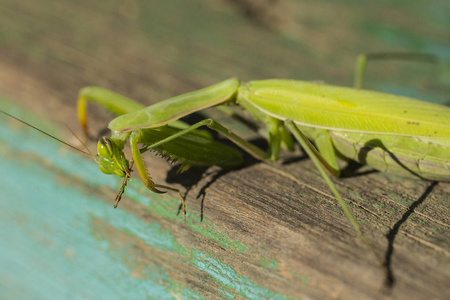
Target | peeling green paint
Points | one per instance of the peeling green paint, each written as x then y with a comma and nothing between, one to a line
226,294
206,229
378,205
273,264
230,279
356,194
417,220
187,294
303,279
167,205
399,199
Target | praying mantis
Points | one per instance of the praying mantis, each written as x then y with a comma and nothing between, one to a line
395,134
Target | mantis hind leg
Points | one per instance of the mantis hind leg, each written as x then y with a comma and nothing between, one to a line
362,60
321,165
145,176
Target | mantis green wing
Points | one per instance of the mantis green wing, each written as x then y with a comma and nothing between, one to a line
346,109
394,134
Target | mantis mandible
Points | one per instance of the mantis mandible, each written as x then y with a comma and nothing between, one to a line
395,134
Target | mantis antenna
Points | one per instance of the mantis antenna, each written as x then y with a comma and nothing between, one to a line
89,153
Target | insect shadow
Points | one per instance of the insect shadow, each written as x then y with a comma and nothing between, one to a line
391,235
369,146
351,170
295,159
248,161
376,143
352,167
195,174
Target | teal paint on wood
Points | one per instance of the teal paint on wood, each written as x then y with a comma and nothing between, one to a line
42,258
229,278
52,247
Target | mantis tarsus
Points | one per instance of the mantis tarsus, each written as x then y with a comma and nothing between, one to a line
395,134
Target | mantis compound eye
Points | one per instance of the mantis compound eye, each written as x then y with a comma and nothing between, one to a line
104,147
110,159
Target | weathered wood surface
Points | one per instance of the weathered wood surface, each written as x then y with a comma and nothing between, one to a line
266,231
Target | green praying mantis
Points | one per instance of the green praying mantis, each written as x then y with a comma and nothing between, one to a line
395,134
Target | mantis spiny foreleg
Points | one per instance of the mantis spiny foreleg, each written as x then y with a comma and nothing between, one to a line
140,166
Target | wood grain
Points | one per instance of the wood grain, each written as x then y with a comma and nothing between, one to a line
265,231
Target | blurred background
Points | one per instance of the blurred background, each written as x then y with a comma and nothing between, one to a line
150,50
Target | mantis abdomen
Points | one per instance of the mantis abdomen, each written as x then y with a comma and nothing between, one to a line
409,156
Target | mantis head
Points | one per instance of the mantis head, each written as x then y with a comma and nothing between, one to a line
111,158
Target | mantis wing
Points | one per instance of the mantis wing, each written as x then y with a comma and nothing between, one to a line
346,109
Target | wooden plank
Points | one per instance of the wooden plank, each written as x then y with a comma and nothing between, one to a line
266,231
